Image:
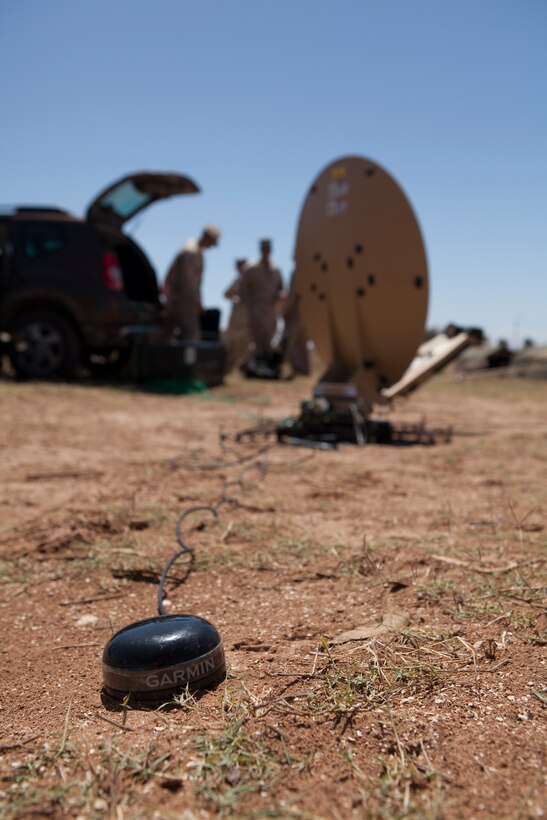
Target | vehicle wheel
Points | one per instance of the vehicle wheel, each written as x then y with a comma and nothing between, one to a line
44,345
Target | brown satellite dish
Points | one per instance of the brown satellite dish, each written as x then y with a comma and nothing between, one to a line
362,284
362,281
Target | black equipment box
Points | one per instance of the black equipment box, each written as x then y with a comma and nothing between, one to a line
155,359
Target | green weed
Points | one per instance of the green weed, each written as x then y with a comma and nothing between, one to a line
233,764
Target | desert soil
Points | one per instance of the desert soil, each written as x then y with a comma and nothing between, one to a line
439,713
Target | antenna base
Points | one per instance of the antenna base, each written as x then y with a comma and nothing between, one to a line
323,426
324,423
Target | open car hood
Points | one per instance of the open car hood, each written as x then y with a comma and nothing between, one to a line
129,195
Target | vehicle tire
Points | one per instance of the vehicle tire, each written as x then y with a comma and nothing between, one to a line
44,345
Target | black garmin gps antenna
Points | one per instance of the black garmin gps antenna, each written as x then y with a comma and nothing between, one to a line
153,659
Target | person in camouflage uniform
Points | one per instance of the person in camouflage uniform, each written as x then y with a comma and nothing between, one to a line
183,285
261,289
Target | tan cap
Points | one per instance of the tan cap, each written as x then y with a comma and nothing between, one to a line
212,232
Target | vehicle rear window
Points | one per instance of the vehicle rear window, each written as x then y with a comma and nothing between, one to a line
42,239
125,199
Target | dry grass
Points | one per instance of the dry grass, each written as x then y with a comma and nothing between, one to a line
439,719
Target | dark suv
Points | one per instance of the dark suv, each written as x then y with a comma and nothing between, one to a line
79,291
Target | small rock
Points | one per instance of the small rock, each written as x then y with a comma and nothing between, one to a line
87,620
233,776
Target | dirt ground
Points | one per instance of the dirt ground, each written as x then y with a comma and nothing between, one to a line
438,713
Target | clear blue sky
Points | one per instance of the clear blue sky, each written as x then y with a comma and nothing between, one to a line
253,98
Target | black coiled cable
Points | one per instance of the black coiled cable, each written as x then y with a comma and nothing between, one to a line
260,463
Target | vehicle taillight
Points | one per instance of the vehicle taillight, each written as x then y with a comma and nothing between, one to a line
112,272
